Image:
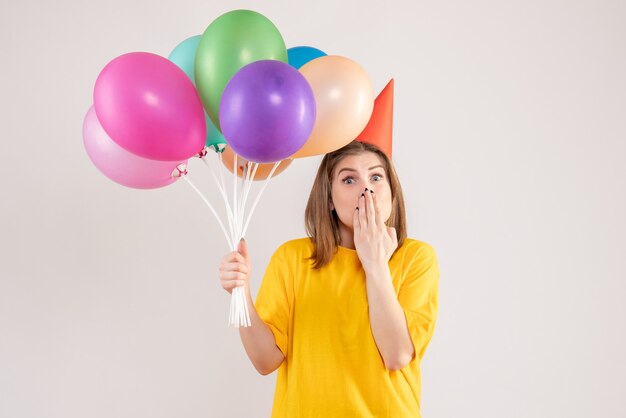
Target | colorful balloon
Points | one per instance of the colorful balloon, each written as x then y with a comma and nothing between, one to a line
230,42
149,107
267,111
300,55
184,55
121,166
344,99
262,171
214,138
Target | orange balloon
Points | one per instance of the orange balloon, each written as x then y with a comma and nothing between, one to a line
262,172
344,100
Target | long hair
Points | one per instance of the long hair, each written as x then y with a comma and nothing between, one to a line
322,224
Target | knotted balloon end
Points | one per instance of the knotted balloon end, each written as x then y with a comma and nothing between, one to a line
180,170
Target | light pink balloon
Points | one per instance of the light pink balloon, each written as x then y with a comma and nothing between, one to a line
150,107
120,165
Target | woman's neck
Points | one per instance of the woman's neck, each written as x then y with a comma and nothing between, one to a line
347,236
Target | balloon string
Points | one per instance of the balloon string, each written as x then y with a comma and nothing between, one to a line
239,313
250,179
228,240
229,210
242,184
236,212
238,300
239,304
259,196
240,197
220,187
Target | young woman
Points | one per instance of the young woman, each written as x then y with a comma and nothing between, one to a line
346,314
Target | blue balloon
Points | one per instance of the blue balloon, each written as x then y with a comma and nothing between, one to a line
300,55
184,55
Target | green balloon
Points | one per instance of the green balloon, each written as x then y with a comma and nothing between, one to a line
230,42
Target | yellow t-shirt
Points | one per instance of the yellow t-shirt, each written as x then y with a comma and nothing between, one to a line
320,321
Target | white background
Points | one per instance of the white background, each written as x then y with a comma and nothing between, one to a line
510,129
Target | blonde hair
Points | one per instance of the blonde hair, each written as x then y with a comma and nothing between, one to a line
322,224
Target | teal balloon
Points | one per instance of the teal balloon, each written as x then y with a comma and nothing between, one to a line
214,138
184,56
300,55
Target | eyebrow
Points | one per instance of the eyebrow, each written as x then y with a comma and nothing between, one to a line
352,169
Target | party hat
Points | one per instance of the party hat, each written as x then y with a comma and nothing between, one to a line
378,130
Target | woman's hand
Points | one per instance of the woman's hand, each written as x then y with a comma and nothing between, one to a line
374,241
258,339
235,268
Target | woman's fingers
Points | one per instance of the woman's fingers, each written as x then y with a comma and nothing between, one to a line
234,271
229,285
229,279
371,209
233,256
368,215
393,234
362,212
356,223
233,275
377,215
236,266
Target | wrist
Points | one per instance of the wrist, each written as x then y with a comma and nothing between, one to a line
376,269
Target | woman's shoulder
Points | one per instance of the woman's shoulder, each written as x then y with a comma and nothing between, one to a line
300,246
415,246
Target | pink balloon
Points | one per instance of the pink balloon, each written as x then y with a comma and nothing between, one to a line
120,165
150,107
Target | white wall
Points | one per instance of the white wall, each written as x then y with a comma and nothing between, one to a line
510,136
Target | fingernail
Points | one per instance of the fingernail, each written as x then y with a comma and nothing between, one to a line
366,189
357,208
372,191
362,194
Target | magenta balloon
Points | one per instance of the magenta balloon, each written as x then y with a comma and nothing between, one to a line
150,107
267,111
121,166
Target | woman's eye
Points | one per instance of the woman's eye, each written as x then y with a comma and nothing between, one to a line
377,177
348,180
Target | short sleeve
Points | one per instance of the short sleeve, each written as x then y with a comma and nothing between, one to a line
418,297
272,302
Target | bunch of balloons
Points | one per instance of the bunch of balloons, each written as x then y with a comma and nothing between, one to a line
235,91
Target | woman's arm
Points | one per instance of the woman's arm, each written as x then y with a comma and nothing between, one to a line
387,320
259,342
375,244
258,339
